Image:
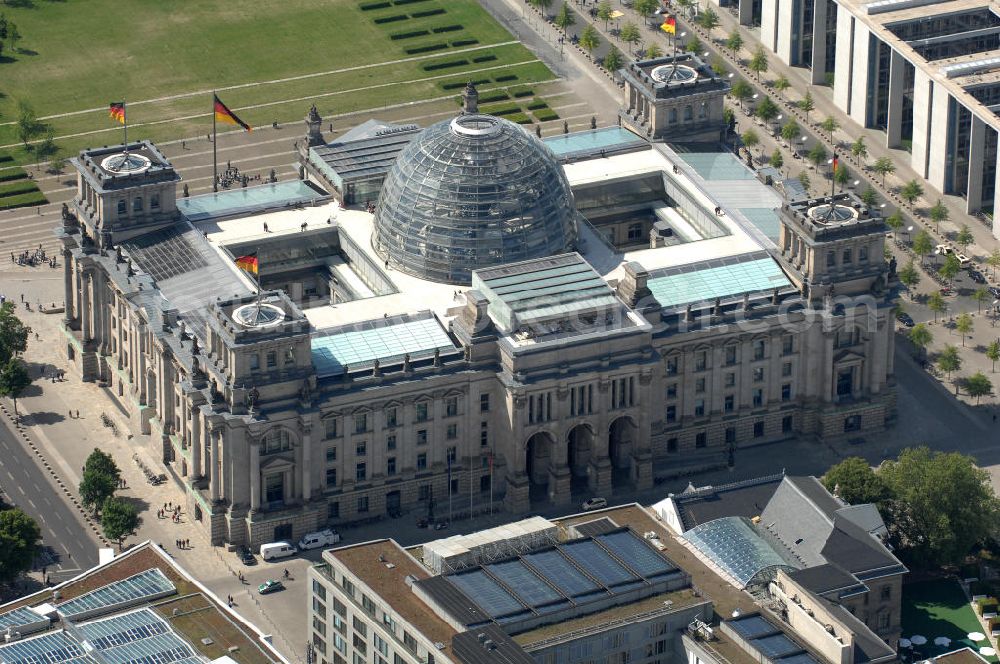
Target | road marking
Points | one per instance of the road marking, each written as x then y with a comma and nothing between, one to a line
32,503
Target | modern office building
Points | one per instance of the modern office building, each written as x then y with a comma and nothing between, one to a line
518,321
925,72
140,606
612,586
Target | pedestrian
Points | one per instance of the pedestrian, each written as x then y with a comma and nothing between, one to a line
78,414
184,145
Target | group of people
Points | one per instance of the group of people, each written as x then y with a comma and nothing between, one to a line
171,510
33,257
183,543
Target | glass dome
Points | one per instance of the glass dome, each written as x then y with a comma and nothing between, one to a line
470,193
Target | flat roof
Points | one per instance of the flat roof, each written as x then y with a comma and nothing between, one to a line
593,141
248,200
721,278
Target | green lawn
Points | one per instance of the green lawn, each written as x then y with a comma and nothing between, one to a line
82,54
939,608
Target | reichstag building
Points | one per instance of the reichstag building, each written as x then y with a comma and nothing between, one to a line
466,317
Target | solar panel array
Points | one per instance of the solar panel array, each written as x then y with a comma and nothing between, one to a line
18,617
54,648
568,574
141,637
146,584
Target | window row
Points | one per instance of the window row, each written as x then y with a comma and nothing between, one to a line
701,360
361,422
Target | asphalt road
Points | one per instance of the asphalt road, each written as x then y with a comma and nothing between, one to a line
69,544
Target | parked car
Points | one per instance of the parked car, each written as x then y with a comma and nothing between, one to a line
245,556
994,291
977,276
319,538
276,550
270,586
594,504
905,319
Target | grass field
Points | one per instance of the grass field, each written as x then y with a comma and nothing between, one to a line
81,54
939,608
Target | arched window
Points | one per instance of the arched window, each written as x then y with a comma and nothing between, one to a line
688,113
276,440
122,206
137,204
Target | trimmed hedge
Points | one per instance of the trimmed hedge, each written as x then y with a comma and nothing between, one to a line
428,12
4,158
496,95
390,19
484,58
375,5
23,200
537,105
455,85
519,118
17,187
406,2
503,110
505,78
12,174
464,42
522,92
448,28
425,49
546,116
409,35
435,66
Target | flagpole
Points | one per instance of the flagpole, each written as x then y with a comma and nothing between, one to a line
257,251
125,124
215,177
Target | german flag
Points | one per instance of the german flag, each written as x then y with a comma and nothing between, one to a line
117,111
248,263
223,114
669,25
836,163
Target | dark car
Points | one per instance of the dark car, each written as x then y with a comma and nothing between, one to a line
977,276
995,292
245,556
905,319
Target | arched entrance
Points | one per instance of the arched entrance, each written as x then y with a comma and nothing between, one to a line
538,457
621,441
580,445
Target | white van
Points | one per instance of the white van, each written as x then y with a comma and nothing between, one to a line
319,538
276,550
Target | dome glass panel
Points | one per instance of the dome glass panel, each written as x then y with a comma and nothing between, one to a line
469,193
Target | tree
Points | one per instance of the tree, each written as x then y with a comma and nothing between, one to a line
993,354
790,130
777,160
589,39
963,325
964,237
13,379
119,519
807,103
566,18
894,220
630,34
686,5
909,276
884,166
767,110
741,91
994,261
949,360
718,65
951,501
613,60
646,7
758,62
855,482
750,138
653,51
950,267
804,180
829,125
13,333
104,463
859,149
604,11
981,296
95,488
693,45
870,197
817,155
922,244
781,84
734,42
708,20
936,304
20,538
978,385
27,123
920,337
841,177
911,191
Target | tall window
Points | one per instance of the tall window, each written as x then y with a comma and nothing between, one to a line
275,440
422,411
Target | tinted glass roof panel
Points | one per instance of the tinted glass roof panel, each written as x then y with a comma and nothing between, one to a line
532,590
561,573
752,627
149,583
487,593
776,646
589,556
638,555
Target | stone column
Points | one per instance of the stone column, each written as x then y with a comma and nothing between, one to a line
196,443
215,476
746,12
254,475
977,143
894,120
68,315
937,138
819,42
86,310
859,74
306,465
923,90
842,74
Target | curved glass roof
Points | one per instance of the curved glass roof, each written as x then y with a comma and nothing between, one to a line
733,544
469,193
